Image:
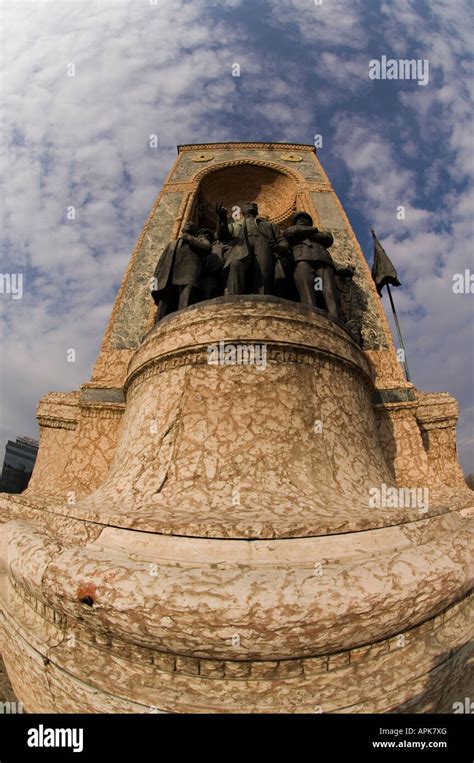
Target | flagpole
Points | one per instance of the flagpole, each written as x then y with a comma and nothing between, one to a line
407,373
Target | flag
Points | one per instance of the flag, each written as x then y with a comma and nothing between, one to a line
383,271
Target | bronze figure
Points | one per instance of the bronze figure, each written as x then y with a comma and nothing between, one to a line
254,245
211,282
177,273
315,271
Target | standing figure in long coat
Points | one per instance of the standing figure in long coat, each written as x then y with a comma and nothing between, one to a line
255,245
177,272
313,264
211,282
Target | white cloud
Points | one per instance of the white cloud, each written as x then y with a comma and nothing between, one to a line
327,25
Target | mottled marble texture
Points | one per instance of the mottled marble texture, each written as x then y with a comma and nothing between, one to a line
77,439
193,434
64,656
208,545
230,555
305,599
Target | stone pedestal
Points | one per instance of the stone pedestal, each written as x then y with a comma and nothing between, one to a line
231,559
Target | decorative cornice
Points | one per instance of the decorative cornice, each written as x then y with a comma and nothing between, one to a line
238,669
185,147
436,410
437,423
277,352
54,422
103,411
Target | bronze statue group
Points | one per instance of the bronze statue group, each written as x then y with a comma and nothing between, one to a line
250,256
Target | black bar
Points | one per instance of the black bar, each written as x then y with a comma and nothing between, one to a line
164,737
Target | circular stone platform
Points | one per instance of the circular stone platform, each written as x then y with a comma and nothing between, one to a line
231,561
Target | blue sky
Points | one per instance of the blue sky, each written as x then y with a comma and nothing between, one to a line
166,68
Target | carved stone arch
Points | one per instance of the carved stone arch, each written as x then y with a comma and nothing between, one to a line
275,188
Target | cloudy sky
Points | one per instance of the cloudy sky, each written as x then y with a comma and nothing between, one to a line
143,67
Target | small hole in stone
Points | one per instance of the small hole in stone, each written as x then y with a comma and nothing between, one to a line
87,600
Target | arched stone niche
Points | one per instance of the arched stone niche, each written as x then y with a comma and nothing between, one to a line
274,189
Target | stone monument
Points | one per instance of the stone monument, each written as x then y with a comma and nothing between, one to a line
247,508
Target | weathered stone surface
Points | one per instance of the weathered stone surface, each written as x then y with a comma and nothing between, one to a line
199,538
428,671
6,691
315,611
